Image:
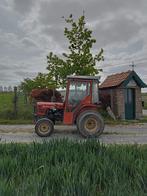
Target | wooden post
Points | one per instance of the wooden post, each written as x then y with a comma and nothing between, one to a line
25,98
15,101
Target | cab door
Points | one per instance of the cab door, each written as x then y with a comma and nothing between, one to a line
76,92
129,103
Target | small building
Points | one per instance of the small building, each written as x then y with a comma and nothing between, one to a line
124,92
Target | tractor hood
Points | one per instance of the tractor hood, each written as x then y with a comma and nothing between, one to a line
50,105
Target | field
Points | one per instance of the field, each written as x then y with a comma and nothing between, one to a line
70,168
24,110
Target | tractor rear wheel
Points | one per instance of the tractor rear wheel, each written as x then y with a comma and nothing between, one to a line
44,127
90,124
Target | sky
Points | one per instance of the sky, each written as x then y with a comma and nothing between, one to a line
30,29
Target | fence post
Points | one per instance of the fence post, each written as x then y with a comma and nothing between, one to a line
25,98
15,100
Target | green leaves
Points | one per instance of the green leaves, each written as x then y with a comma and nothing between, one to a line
79,60
41,81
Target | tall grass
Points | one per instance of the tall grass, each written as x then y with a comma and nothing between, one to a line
70,168
24,110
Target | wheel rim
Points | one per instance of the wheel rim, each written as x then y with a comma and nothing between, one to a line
44,127
91,125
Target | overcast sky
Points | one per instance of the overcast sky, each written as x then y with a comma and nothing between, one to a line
30,29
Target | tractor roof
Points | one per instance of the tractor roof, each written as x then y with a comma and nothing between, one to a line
84,77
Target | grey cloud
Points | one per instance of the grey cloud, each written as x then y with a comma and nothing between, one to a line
25,74
8,78
3,3
120,29
4,67
7,67
51,12
23,6
135,47
57,33
8,21
5,78
28,42
99,8
12,46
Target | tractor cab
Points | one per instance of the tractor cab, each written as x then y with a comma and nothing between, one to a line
81,93
80,108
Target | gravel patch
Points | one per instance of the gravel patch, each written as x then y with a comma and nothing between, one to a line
119,134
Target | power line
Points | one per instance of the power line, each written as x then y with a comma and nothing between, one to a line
121,64
126,60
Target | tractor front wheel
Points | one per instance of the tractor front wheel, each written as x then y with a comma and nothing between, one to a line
44,127
90,124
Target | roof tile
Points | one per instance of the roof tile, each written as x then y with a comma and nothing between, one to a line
115,79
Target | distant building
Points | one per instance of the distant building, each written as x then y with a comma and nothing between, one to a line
124,91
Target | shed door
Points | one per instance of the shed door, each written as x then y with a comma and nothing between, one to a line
129,103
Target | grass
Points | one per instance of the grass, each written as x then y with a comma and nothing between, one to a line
24,110
16,122
125,122
71,168
108,120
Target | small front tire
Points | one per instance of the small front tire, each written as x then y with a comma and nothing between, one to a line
44,127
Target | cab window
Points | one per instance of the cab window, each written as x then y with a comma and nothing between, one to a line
78,91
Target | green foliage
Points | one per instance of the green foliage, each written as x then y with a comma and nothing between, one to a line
79,60
71,168
39,82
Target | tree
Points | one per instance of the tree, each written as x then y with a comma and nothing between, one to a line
39,82
79,60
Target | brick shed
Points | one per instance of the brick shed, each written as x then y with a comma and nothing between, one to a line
124,93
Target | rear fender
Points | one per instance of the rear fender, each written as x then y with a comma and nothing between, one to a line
84,108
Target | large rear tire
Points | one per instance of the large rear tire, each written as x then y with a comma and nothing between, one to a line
90,124
44,127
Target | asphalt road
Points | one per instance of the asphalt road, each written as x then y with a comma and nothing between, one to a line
119,134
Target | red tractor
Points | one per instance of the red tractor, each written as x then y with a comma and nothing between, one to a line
80,108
